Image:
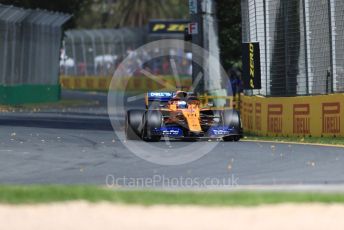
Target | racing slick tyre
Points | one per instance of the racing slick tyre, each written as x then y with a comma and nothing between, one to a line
228,138
134,124
231,118
152,120
235,138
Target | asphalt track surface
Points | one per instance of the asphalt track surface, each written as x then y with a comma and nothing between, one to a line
81,153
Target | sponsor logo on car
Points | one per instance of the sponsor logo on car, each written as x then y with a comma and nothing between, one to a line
160,94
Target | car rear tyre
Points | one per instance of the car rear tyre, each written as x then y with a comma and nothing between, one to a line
237,138
228,138
152,120
134,124
231,119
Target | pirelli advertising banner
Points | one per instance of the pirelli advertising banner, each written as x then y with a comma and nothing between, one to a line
300,116
159,27
251,65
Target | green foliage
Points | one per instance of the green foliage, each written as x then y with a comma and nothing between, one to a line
137,13
229,21
180,9
133,13
109,13
74,7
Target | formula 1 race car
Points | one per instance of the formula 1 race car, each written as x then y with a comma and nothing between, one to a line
180,115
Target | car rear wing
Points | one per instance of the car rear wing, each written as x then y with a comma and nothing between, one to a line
158,99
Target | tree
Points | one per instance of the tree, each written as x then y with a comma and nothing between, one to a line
229,22
109,13
74,7
137,13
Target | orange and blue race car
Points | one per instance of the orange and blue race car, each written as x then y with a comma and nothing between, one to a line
181,115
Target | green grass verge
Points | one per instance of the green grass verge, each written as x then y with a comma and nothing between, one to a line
312,140
47,194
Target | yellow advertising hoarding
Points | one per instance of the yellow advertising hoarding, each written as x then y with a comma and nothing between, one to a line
140,83
294,116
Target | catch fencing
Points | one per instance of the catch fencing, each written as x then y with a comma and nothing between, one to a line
301,43
97,52
30,42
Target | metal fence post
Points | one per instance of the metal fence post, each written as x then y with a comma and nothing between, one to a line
332,33
93,51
